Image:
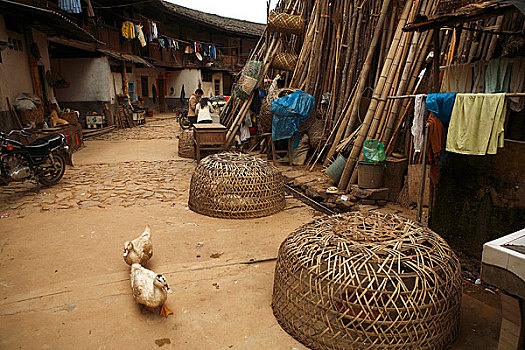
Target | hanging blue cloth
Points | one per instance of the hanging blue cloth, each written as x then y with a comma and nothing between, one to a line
70,6
289,111
441,105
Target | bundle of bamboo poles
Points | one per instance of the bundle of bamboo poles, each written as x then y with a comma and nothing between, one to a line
357,52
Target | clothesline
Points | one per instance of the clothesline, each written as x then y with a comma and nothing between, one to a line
517,94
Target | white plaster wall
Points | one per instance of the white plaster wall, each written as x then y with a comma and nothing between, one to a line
89,79
152,75
191,78
209,87
15,76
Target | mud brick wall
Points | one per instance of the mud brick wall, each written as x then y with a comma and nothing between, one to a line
480,198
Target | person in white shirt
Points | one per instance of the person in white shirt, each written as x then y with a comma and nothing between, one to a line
204,110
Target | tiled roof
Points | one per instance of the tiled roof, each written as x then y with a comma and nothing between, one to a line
231,25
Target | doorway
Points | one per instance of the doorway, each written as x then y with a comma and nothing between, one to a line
161,84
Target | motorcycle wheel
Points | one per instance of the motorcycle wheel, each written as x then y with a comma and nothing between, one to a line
184,123
52,177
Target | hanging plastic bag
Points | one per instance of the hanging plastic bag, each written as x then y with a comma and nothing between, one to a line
374,151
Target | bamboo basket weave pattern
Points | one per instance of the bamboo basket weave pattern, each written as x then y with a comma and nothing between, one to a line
265,118
367,281
284,61
285,23
236,186
186,147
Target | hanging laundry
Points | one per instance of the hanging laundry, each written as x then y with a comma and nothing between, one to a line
457,78
128,30
154,31
213,52
435,146
478,72
182,93
146,29
517,84
205,50
140,35
162,43
497,75
418,122
441,105
477,124
70,6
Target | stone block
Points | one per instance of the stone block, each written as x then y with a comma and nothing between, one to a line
344,206
395,170
304,179
375,193
316,193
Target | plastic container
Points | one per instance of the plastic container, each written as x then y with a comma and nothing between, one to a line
370,175
335,170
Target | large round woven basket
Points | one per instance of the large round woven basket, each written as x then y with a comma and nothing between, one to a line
186,146
236,186
367,281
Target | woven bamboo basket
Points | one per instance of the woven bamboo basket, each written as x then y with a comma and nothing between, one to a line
265,119
315,131
236,186
285,23
186,146
284,61
367,281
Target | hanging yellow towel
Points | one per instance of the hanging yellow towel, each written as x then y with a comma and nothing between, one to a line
477,124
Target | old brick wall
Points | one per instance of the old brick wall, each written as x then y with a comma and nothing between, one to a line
480,198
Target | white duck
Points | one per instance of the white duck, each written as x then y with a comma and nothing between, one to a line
139,250
149,289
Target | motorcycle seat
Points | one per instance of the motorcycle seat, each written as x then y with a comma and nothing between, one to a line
44,144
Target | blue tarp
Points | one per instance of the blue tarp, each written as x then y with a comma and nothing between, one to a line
441,104
288,112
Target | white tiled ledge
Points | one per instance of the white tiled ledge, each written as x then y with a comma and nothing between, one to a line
495,253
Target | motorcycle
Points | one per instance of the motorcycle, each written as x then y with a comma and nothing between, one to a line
43,160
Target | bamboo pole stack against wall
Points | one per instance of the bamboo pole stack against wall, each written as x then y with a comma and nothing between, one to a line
356,52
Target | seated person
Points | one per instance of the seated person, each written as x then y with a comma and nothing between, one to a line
204,109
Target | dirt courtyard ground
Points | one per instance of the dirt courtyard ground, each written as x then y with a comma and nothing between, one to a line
64,284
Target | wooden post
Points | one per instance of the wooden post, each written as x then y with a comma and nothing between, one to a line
423,175
437,59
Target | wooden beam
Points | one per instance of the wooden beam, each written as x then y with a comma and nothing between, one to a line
452,19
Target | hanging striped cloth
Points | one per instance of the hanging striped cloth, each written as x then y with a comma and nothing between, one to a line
70,6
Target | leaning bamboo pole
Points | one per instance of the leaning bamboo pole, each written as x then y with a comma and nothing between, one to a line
356,149
351,116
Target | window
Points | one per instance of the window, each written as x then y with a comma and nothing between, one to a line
15,44
206,76
144,84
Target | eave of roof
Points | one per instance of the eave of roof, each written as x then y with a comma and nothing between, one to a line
126,57
225,24
48,21
468,13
